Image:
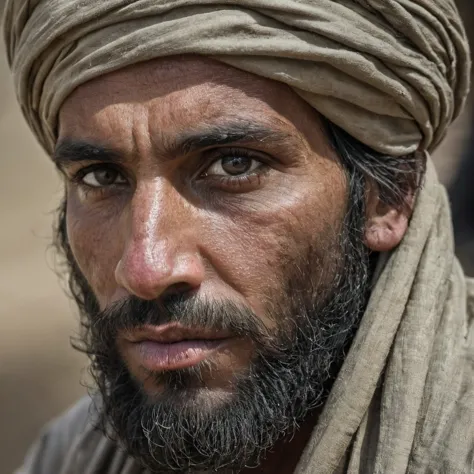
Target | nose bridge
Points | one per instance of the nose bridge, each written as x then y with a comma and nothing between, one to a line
150,216
159,251
150,224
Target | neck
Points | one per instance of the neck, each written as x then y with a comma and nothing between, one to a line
284,456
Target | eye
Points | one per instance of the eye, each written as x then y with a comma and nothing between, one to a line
102,177
233,166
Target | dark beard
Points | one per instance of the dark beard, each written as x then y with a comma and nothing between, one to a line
290,375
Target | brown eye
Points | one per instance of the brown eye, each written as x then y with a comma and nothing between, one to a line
236,164
233,166
103,177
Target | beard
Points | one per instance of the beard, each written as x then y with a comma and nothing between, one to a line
291,372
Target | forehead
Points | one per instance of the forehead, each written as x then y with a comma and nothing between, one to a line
179,93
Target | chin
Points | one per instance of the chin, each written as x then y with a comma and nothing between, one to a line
196,400
202,387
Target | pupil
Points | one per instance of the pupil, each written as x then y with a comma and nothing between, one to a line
236,164
106,177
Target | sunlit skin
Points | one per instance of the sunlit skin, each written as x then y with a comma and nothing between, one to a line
186,175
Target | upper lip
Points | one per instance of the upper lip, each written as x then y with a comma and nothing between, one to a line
172,333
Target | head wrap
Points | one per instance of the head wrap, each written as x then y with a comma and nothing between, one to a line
392,73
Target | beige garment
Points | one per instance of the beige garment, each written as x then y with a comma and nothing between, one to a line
404,399
392,73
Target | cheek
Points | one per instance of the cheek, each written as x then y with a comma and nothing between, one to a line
262,235
250,243
94,237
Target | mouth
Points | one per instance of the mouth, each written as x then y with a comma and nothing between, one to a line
172,346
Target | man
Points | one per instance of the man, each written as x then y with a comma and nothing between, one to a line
255,236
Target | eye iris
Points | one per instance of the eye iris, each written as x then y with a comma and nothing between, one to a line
235,165
105,177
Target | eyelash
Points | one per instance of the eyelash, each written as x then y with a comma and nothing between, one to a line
238,181
235,182
77,179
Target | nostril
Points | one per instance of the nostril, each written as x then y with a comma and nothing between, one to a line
174,297
184,290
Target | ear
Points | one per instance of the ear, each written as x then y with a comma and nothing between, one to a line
385,225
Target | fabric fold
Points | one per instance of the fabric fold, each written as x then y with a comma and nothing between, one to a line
407,364
392,73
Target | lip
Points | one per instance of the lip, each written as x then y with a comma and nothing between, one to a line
172,346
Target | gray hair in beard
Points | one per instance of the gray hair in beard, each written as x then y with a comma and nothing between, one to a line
286,380
290,375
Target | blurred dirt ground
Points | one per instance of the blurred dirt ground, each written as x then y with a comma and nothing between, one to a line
39,372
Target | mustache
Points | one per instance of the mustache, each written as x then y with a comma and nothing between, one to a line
191,311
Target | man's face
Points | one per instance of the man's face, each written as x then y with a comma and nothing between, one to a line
208,216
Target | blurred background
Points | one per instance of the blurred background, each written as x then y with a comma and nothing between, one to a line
39,372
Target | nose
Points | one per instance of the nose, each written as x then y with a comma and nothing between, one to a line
160,252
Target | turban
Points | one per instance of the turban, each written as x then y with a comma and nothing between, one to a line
392,73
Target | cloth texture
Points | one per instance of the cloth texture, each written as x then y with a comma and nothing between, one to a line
392,73
403,401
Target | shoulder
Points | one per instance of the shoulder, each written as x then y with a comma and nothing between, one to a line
55,441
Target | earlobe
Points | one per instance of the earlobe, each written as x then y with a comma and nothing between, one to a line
383,232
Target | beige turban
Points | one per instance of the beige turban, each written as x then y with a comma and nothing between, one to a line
392,73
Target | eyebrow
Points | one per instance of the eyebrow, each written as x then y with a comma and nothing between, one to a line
70,150
225,134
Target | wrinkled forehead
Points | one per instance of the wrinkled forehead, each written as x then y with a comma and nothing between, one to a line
178,94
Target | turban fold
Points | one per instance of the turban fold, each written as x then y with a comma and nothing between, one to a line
392,73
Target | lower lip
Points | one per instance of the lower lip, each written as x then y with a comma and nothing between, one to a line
158,356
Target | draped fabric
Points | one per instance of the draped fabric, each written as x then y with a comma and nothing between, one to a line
404,399
392,73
